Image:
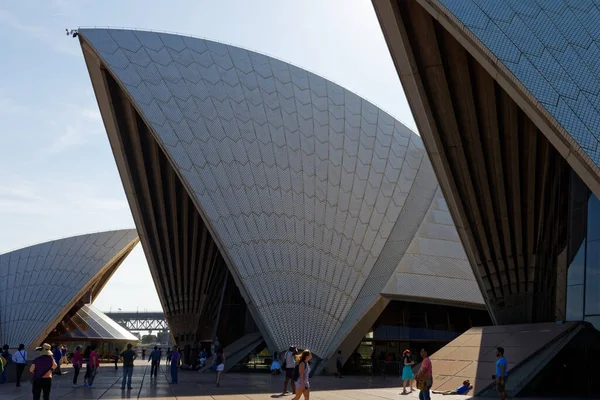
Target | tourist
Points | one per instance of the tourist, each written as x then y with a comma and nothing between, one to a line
424,377
92,368
288,365
275,365
128,357
77,364
143,353
220,362
466,386
155,359
63,352
169,355
302,370
175,359
116,359
57,358
501,375
41,369
6,355
338,364
20,359
407,373
203,358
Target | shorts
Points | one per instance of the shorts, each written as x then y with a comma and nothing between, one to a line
501,387
289,373
221,367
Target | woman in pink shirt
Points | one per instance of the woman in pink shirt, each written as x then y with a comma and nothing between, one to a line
77,364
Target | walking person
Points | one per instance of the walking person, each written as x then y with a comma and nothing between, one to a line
338,364
407,373
155,359
63,352
143,353
128,357
501,375
20,359
220,362
6,355
303,372
175,360
42,372
77,364
425,377
289,362
169,355
92,368
116,359
57,358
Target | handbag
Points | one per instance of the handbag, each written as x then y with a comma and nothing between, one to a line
424,383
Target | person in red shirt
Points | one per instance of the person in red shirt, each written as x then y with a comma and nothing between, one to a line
424,377
77,364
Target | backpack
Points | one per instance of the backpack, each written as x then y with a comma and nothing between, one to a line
284,365
296,373
2,364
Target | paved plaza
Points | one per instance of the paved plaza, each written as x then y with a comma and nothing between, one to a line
200,386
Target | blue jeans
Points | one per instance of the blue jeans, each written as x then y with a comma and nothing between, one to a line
424,395
173,373
127,372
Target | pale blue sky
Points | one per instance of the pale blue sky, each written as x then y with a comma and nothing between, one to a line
57,173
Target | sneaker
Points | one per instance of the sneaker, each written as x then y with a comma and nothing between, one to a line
75,386
123,388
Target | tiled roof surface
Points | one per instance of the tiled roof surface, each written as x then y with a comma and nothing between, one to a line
37,282
553,48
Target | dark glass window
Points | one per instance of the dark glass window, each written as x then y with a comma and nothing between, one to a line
575,303
592,278
595,320
575,272
593,213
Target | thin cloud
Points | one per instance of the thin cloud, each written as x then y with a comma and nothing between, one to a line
27,197
56,40
83,124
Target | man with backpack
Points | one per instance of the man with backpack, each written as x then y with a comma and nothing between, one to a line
289,362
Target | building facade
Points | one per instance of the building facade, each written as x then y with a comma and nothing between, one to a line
505,97
257,184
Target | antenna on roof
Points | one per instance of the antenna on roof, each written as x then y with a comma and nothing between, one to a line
72,32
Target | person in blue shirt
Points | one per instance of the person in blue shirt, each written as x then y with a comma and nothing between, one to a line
501,375
464,389
57,355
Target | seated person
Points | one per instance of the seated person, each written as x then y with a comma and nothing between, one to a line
275,365
466,386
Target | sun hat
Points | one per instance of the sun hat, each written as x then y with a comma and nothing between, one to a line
44,349
406,351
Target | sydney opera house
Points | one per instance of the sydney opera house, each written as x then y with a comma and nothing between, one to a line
276,207
266,194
